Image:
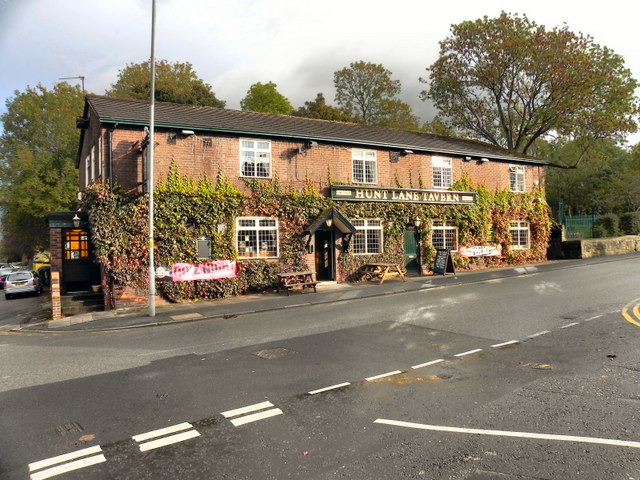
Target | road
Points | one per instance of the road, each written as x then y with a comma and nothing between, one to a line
532,377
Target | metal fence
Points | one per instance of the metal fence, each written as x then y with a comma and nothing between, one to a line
579,227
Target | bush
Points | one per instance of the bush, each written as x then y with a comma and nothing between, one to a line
607,226
630,223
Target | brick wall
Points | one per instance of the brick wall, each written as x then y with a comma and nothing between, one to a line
292,162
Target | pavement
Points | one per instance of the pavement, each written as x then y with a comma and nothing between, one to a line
327,292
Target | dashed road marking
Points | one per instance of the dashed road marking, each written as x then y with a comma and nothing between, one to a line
428,364
243,418
505,344
165,436
62,464
383,375
568,325
505,433
332,387
470,352
538,334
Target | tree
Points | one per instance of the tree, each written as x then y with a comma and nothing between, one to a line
362,89
510,81
175,82
38,148
367,91
265,98
318,108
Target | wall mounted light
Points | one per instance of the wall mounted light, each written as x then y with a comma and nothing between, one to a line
76,221
406,151
467,159
484,159
311,143
417,222
187,132
536,183
329,222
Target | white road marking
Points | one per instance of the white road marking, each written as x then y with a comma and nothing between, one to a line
256,416
163,438
504,433
63,458
250,408
592,318
427,364
163,431
164,441
570,325
68,467
544,332
382,375
332,387
463,354
510,342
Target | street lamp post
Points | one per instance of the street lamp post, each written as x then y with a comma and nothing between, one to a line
150,183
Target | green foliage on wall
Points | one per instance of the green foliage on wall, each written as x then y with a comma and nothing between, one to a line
185,210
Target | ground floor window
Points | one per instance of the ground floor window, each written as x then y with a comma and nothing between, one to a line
444,235
257,237
368,237
520,235
76,244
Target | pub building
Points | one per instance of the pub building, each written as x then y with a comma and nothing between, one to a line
391,195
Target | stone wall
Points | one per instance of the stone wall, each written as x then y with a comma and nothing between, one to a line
599,247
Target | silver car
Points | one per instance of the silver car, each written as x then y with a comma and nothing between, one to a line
22,282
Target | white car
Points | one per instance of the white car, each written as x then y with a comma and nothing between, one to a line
22,282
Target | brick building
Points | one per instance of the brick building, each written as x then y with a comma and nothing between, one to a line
348,163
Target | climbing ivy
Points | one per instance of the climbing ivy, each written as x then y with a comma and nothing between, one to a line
185,210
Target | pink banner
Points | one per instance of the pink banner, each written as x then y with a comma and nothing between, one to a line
185,272
480,251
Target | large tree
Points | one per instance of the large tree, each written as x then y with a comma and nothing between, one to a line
38,148
265,98
368,92
175,82
510,81
318,108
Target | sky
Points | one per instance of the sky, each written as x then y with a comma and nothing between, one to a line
297,44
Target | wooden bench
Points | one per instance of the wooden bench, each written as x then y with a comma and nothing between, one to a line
289,280
381,271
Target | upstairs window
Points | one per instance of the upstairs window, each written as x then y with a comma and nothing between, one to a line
516,178
255,158
442,172
364,166
368,237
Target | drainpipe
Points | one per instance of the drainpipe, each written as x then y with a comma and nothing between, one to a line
110,155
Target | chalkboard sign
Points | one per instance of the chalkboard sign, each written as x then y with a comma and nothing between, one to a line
443,263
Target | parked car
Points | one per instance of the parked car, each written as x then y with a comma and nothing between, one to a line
22,282
3,279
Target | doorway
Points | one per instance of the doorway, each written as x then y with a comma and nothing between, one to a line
411,258
325,262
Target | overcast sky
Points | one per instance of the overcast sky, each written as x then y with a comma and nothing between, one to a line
297,44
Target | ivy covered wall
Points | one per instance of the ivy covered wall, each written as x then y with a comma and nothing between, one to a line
186,209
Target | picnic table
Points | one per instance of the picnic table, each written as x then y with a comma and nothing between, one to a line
289,280
381,271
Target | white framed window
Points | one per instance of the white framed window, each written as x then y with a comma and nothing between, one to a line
368,237
364,166
442,172
444,235
87,171
255,158
257,237
516,178
520,235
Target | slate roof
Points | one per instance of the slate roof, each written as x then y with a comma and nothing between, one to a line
112,110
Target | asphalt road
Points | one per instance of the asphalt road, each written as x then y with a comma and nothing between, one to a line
533,377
